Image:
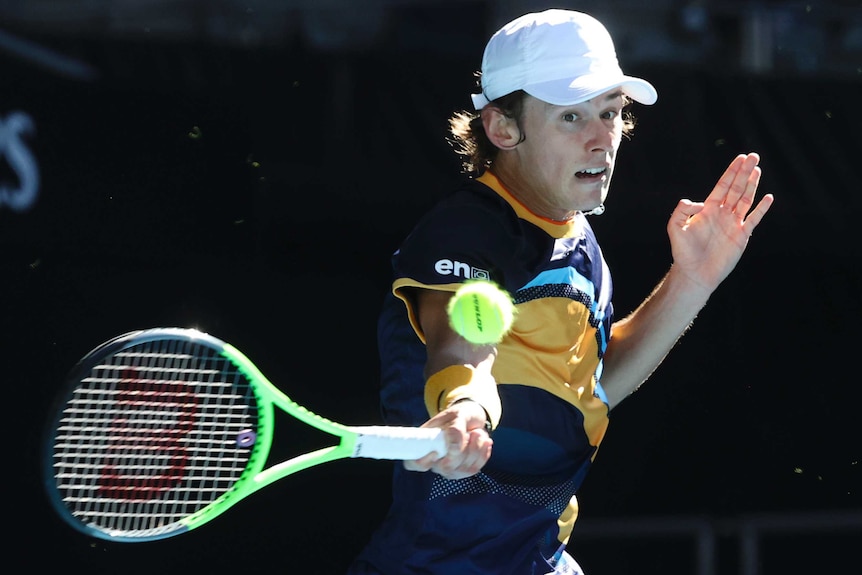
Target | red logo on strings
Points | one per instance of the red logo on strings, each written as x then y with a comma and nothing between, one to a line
146,455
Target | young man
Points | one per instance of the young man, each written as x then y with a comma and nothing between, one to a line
524,418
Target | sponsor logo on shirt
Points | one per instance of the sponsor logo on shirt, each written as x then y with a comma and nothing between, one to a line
460,269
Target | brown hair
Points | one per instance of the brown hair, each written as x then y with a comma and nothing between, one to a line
472,144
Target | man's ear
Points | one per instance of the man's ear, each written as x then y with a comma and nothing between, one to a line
502,130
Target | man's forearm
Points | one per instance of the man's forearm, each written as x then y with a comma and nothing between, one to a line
641,341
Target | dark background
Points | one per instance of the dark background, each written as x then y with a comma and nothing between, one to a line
256,189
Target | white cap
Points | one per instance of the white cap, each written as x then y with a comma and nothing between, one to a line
561,57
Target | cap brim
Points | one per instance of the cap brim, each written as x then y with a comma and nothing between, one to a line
566,92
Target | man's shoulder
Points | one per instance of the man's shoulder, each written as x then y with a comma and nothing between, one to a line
470,213
473,195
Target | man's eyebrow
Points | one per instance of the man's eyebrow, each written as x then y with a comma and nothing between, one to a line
614,95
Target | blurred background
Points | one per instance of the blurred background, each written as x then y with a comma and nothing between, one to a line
248,167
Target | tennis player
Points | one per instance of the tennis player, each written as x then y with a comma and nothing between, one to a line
524,418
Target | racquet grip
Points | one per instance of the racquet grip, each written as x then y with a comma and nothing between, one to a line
398,443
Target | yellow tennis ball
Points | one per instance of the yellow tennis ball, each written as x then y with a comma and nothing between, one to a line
481,312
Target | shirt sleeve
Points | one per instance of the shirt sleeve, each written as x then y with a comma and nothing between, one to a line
463,239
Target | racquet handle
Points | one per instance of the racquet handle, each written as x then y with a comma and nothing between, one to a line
398,443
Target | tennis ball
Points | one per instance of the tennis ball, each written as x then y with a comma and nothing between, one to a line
481,312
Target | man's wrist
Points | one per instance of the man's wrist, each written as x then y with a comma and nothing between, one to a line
489,427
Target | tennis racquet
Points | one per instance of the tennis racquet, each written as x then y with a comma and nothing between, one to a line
162,430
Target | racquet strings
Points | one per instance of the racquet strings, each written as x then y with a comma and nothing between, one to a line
152,434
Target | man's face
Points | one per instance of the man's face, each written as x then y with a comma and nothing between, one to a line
567,157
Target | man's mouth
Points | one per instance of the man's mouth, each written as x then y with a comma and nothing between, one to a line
591,173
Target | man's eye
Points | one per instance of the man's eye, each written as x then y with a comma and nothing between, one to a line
570,117
610,115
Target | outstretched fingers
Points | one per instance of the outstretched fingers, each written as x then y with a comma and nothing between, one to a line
742,193
722,187
737,186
